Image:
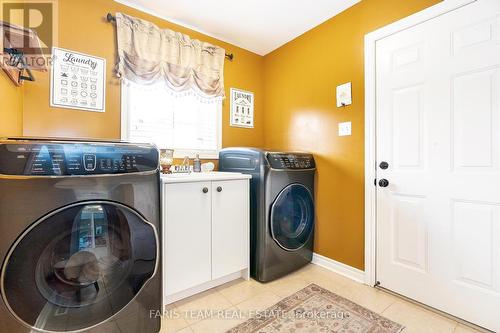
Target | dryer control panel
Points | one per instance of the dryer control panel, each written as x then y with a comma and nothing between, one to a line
75,158
291,161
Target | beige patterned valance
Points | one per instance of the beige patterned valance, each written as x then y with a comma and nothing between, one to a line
148,54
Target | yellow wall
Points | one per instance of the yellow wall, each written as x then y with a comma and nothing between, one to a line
11,107
301,114
82,28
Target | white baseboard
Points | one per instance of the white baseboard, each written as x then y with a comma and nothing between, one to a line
169,299
339,268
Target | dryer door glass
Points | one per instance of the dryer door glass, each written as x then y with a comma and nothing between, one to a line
78,266
292,217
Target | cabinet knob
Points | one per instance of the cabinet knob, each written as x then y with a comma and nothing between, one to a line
219,189
205,190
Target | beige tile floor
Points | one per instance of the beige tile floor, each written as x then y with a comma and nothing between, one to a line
224,307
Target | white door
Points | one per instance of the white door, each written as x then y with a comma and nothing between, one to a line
230,227
186,236
438,128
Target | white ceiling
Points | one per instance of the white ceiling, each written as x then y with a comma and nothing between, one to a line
260,26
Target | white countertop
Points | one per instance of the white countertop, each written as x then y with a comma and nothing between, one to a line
202,177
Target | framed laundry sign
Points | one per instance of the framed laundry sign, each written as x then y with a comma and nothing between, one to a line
77,81
242,108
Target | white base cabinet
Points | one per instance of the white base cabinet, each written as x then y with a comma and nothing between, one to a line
205,232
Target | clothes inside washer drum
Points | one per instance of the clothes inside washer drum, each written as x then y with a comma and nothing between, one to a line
82,267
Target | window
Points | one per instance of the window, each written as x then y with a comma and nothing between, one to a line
186,122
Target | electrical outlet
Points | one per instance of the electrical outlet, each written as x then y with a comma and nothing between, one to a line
345,128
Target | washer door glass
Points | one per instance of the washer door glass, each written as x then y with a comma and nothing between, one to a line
77,267
292,217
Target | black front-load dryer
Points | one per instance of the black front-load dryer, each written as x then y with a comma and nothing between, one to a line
282,208
79,245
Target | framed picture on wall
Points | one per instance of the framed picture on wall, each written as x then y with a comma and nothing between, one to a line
77,81
242,108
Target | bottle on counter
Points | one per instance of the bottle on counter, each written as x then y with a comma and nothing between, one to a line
197,164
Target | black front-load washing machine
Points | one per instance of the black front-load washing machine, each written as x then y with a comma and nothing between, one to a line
79,245
282,208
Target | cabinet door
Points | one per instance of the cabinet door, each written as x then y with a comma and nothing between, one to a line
230,227
186,235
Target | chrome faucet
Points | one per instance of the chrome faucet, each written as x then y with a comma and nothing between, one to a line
185,165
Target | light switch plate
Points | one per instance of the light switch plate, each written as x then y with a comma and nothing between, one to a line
344,95
345,128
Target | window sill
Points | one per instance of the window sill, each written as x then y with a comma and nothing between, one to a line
180,154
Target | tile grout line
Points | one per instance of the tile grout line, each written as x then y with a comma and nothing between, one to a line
232,305
246,299
387,307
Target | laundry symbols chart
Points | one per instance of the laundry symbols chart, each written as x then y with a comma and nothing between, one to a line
78,81
242,108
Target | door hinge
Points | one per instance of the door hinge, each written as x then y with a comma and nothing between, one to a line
375,182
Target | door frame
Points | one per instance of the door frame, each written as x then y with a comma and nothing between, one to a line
370,121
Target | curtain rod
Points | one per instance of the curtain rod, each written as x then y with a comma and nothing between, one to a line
111,19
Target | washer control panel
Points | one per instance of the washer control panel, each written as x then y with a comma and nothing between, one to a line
75,158
89,162
291,161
